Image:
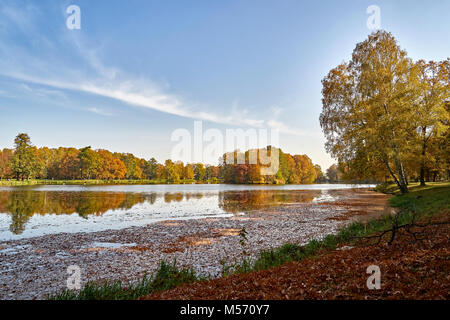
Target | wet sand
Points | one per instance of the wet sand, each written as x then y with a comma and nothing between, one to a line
36,267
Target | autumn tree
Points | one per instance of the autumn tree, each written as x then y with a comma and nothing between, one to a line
160,171
5,168
254,174
297,169
171,172
305,169
110,167
69,164
368,106
212,173
179,168
241,173
44,158
188,172
433,90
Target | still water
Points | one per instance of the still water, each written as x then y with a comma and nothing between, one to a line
39,210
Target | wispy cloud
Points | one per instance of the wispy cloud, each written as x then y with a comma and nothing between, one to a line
281,127
43,92
100,112
95,78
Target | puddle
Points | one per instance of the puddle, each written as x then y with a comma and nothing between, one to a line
325,196
14,250
111,245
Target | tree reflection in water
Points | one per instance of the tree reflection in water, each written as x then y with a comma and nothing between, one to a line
23,204
248,200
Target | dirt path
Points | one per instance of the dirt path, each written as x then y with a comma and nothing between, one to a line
36,267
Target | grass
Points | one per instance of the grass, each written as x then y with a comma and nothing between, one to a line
167,276
432,197
425,201
392,188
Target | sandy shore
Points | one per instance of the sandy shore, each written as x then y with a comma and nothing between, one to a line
36,267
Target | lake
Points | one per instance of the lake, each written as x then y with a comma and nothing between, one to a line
40,210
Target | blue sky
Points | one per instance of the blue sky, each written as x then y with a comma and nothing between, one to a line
138,70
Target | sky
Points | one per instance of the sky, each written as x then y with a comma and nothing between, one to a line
138,70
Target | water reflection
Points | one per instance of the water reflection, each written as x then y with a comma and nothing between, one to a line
22,204
245,201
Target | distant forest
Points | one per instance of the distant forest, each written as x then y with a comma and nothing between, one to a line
26,161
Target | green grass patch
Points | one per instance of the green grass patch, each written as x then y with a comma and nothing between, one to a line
392,188
167,276
426,200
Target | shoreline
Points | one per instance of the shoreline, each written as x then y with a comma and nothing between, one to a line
44,182
412,256
36,267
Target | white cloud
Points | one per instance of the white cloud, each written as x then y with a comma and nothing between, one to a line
285,129
276,110
100,112
44,92
95,78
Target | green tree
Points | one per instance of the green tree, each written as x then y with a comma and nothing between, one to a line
320,177
23,160
199,172
333,173
89,162
134,170
151,169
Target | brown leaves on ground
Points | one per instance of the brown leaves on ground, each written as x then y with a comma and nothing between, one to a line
409,270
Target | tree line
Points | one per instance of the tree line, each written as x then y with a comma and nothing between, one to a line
26,162
386,116
292,169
